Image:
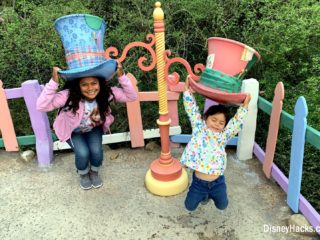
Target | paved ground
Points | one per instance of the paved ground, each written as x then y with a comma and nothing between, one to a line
37,203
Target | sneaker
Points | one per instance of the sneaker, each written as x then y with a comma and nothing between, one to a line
205,200
95,179
85,182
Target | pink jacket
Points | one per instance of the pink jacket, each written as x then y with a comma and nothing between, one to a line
66,122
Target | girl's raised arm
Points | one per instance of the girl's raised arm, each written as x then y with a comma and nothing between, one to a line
49,98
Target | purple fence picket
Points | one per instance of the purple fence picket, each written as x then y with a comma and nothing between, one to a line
39,122
304,206
208,103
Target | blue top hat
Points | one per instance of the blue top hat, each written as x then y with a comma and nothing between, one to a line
82,37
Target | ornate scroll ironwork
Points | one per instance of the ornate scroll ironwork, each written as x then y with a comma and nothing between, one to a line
112,51
174,77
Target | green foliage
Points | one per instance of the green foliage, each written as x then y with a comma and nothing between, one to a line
30,44
285,33
31,47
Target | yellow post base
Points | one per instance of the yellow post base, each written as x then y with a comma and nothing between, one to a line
169,188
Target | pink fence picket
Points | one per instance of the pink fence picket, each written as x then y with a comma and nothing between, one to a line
273,128
6,124
135,117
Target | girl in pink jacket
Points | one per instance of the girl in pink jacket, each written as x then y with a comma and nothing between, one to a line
84,115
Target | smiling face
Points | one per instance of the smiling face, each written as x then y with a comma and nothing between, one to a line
89,87
216,122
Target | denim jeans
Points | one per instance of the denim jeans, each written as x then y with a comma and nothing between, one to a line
88,149
201,189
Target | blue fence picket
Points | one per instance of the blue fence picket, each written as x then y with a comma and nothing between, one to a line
297,153
185,138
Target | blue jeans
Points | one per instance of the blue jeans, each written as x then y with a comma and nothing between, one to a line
88,149
201,189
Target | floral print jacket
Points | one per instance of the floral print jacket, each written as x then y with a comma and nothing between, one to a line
206,150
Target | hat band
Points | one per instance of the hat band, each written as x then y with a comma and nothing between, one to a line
80,59
215,79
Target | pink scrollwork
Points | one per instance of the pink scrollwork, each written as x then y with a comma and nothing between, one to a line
174,78
112,51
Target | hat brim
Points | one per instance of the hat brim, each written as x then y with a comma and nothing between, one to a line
104,70
216,95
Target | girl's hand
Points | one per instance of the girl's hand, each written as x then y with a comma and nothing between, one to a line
55,74
247,100
120,71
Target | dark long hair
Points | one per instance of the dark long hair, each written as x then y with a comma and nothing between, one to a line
103,98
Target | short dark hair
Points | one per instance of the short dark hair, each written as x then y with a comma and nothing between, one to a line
217,109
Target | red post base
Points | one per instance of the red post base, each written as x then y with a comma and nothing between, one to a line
166,172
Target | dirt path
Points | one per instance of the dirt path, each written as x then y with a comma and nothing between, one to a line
48,203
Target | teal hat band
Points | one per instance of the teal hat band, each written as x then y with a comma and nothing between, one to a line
217,80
